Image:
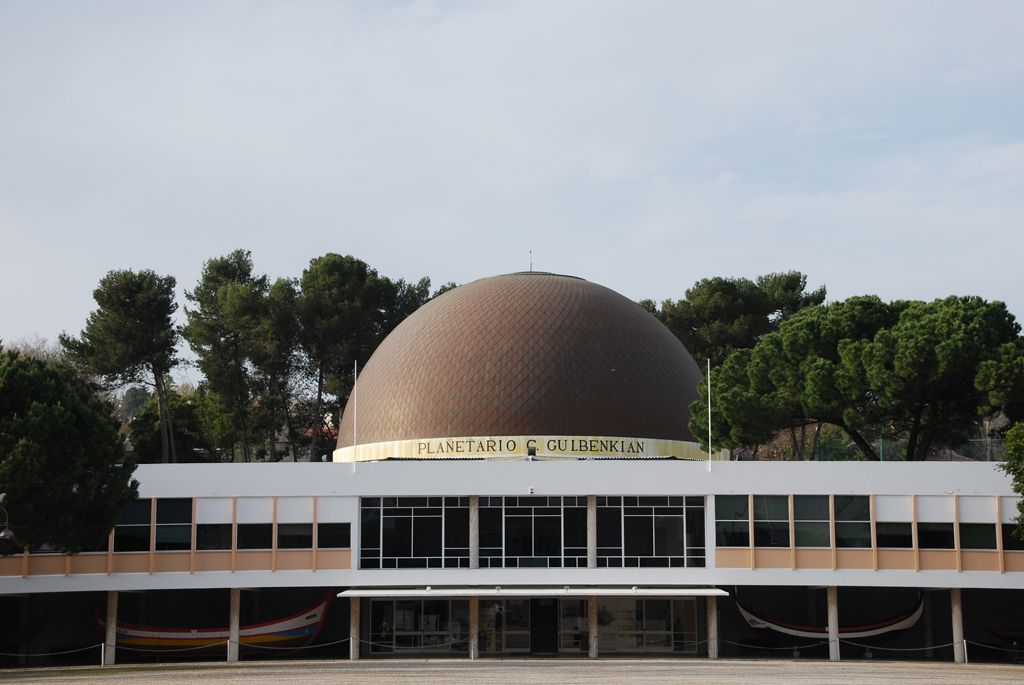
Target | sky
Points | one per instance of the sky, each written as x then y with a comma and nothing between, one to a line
876,146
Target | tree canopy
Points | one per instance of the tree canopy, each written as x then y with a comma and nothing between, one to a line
917,370
1014,467
62,463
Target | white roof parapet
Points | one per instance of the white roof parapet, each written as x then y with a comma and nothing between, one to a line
536,591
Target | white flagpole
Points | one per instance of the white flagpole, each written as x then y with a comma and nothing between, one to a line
709,414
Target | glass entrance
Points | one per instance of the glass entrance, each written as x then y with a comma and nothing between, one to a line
418,626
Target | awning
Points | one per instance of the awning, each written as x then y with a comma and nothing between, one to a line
535,591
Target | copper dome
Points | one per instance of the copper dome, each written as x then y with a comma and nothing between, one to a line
526,354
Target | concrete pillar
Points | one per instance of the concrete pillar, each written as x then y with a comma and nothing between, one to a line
591,531
833,622
353,628
234,611
474,531
712,627
474,627
592,626
110,638
959,648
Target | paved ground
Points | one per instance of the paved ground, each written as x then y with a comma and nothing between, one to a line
561,671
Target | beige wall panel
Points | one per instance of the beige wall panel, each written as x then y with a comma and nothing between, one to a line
213,561
254,561
46,565
732,557
938,560
772,558
89,563
1014,561
334,559
979,561
893,559
169,562
854,558
130,562
294,560
813,558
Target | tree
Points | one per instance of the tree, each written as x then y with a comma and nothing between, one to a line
909,369
130,338
274,353
1014,467
719,315
189,434
222,326
62,463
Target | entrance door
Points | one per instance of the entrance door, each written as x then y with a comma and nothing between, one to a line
544,626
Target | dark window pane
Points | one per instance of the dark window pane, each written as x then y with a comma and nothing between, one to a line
519,536
771,534
456,527
1010,540
668,536
935,535
894,535
426,540
977,536
816,534
136,512
639,536
334,535
609,528
490,527
131,539
213,536
255,535
695,527
731,508
852,508
174,537
547,536
397,538
857,535
810,508
575,527
178,510
370,529
295,536
771,508
732,534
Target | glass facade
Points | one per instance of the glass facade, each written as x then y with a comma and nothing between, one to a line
650,531
414,532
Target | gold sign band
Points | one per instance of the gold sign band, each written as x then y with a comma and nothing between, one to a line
523,446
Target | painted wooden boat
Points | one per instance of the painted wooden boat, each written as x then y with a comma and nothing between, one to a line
295,630
901,622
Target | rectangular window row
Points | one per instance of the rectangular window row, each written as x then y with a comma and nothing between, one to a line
414,532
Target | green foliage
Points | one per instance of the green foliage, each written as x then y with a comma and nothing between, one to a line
869,368
1014,467
189,432
62,462
719,315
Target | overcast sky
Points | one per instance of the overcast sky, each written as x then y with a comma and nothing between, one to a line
878,147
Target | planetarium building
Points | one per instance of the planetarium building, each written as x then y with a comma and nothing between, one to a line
514,475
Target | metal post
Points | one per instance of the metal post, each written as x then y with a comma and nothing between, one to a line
353,629
592,627
474,627
591,531
959,652
712,627
833,623
110,639
474,531
234,610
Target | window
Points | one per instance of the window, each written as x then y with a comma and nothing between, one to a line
609,531
414,532
771,521
1011,542
255,535
655,531
811,521
732,521
935,535
213,536
333,535
977,536
533,531
131,534
894,535
853,521
295,536
174,524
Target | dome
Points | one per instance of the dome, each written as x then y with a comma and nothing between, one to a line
525,354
